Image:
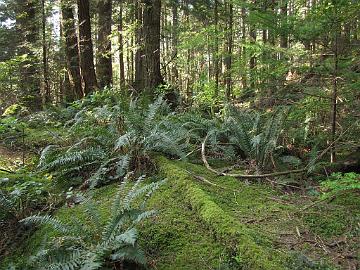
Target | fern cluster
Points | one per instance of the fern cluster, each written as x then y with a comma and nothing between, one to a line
97,244
109,141
256,135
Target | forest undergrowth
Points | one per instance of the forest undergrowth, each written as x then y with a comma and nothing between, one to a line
110,182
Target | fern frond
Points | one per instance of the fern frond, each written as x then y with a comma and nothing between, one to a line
130,253
47,220
48,150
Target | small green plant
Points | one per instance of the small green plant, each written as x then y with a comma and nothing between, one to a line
21,196
339,183
95,244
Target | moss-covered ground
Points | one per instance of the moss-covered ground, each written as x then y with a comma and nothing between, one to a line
209,222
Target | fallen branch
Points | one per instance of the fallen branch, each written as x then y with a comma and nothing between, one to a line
204,180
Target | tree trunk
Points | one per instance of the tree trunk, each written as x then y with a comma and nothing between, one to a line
104,61
147,72
252,65
284,36
334,98
46,86
86,48
175,26
243,49
139,84
216,49
121,48
228,58
28,33
71,51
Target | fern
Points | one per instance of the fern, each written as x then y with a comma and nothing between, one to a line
112,140
80,248
47,220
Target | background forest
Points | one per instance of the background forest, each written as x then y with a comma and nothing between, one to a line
179,134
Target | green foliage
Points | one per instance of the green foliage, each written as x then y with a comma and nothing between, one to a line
256,135
14,110
96,244
113,139
339,183
21,195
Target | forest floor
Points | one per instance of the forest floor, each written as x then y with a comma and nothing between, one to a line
207,221
211,222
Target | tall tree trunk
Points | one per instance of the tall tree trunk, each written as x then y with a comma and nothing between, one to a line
86,48
252,65
104,61
243,49
334,97
147,73
71,51
28,33
46,86
229,45
175,26
216,49
284,36
121,48
151,32
139,83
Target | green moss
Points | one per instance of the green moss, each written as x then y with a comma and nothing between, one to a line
225,228
176,238
42,136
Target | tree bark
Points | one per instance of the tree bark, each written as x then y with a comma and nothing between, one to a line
216,49
252,64
86,48
71,51
175,40
28,33
46,86
243,49
334,98
104,61
228,58
284,35
147,72
121,48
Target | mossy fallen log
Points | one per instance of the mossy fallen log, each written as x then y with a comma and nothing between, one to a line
236,236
